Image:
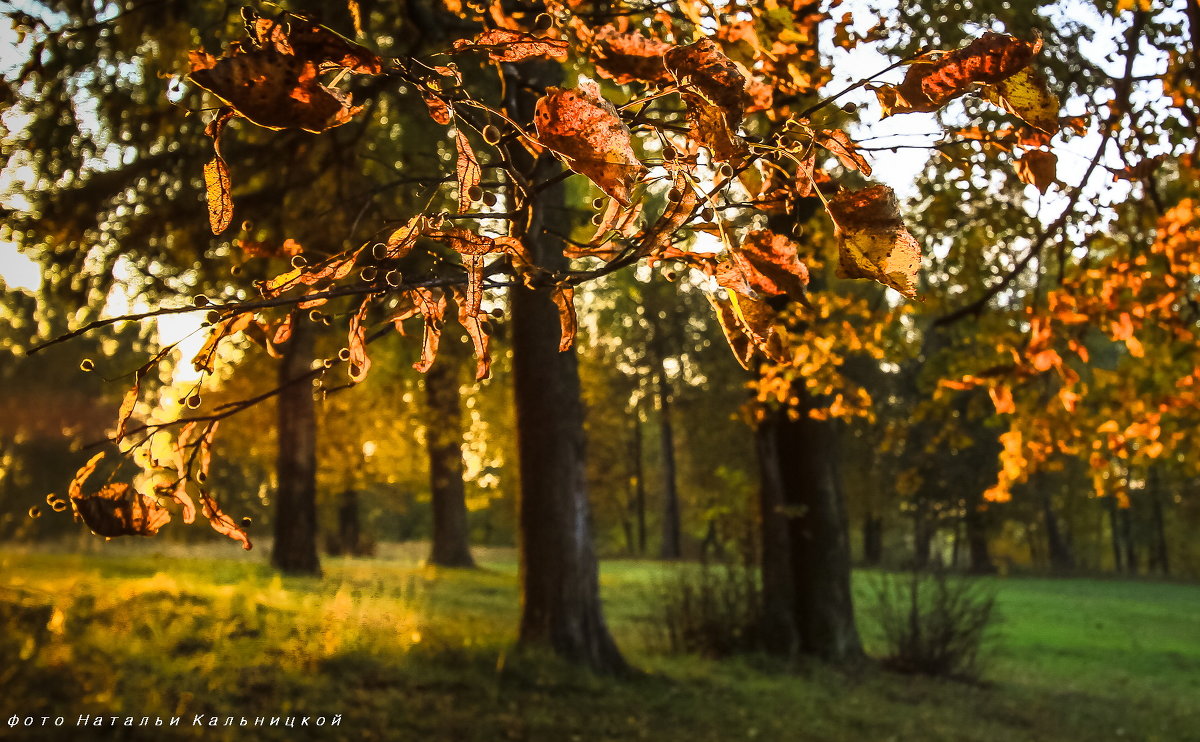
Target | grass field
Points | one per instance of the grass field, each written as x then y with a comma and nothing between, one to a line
404,652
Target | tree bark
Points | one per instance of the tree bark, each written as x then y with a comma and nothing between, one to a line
779,588
559,573
1060,554
349,538
1161,557
295,547
1115,532
817,533
980,556
443,441
639,483
872,536
672,547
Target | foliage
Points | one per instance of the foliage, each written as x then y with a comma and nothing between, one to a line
934,622
713,610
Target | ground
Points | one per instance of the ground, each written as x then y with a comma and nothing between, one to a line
405,652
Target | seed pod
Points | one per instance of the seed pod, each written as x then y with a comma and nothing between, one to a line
58,506
200,300
87,364
50,498
707,213
235,270
489,199
298,261
393,278
212,317
328,363
368,274
596,219
669,153
674,195
247,522
850,108
314,315
497,312
379,251
35,512
344,354
247,225
193,401
491,134
670,275
475,193
543,22
597,203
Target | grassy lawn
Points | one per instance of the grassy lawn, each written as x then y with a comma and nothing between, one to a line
404,652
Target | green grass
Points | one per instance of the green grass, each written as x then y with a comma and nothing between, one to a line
409,653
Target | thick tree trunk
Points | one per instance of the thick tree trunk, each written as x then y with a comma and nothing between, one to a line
295,548
443,441
817,534
559,573
1160,554
1131,559
672,547
779,589
872,536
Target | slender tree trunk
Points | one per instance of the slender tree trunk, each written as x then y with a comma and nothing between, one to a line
922,536
1131,559
443,441
872,536
1161,557
1115,532
349,538
978,552
1060,554
639,481
295,548
559,573
671,542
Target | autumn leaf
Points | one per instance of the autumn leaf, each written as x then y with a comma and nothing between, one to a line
431,303
715,95
928,85
217,189
839,144
757,320
770,266
564,299
739,343
360,362
1037,168
660,234
75,488
473,247
585,129
295,35
503,45
468,171
1026,96
222,523
206,358
119,510
273,90
474,324
872,239
129,402
628,56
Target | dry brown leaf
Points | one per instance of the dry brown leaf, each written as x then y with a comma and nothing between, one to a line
477,331
1037,168
628,56
660,235
468,171
584,128
841,146
739,343
564,299
360,362
119,510
872,239
206,359
431,303
503,45
1026,96
927,86
716,96
222,523
769,263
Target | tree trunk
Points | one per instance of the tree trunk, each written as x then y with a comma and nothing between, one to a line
978,552
349,539
639,482
295,548
779,589
1060,554
872,536
817,534
1131,559
1161,558
443,441
1115,532
559,574
671,541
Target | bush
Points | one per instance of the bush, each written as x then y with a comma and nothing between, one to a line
710,610
934,623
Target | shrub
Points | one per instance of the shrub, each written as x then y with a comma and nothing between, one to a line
934,623
711,610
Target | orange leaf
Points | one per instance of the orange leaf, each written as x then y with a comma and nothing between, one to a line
1037,168
468,171
360,362
503,45
872,239
473,323
585,129
564,299
222,523
119,510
